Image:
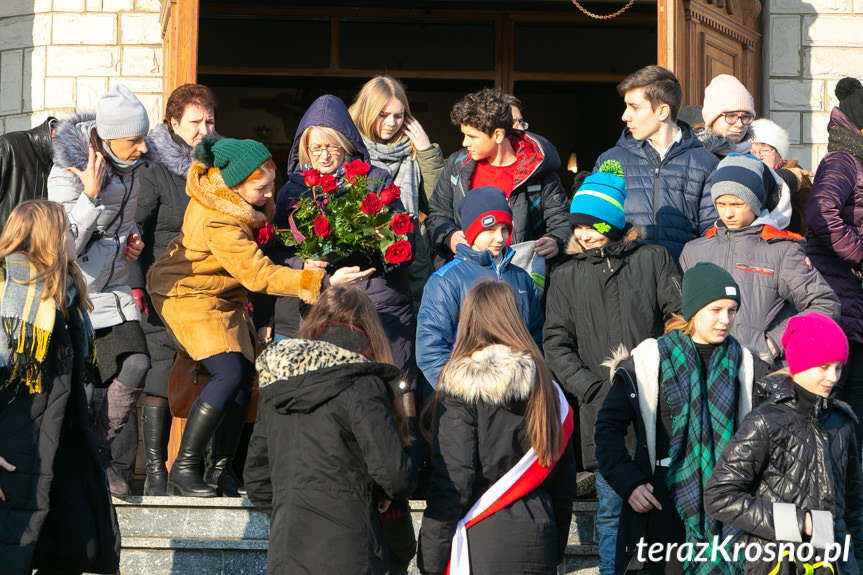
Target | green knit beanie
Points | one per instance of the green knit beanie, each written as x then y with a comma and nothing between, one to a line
236,159
705,283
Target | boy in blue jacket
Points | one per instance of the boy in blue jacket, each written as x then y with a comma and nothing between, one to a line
486,220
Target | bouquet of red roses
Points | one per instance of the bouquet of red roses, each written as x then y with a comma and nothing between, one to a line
335,221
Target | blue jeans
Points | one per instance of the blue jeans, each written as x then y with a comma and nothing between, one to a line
607,518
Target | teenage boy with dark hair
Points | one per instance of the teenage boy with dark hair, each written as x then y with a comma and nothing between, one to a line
520,163
665,164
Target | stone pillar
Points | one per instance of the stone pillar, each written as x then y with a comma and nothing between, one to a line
58,57
812,45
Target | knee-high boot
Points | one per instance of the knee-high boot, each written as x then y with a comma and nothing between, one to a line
156,426
185,477
220,473
118,404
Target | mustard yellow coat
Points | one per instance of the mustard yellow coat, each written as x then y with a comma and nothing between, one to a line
198,285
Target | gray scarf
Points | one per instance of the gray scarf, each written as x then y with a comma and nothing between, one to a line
398,160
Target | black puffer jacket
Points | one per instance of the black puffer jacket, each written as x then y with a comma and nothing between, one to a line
538,201
621,293
792,452
162,202
480,436
26,158
58,495
324,447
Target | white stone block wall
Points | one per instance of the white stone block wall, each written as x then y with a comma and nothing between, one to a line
810,46
59,56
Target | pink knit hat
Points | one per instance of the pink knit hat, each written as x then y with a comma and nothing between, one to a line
725,94
811,340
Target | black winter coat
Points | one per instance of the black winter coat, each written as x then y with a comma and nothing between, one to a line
26,158
619,294
480,435
325,446
785,452
538,201
57,499
162,202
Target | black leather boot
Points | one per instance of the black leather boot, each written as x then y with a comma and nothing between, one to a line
156,429
220,468
185,477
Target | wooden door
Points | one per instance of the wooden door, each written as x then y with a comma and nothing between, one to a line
179,19
700,39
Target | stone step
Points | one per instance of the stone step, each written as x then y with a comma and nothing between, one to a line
222,536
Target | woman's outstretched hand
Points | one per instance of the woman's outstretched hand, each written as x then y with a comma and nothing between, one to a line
350,276
8,467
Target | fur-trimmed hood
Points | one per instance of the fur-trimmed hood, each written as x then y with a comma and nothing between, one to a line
299,375
72,142
207,187
175,156
632,236
495,375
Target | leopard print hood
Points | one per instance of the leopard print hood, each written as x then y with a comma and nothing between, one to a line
299,375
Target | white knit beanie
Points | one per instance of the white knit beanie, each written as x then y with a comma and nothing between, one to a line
725,94
119,114
768,132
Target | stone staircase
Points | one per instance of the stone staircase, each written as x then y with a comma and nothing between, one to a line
223,536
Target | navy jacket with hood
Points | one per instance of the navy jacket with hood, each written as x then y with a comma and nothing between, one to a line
446,289
387,287
666,197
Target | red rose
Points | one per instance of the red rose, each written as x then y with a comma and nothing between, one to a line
401,224
390,194
322,227
356,168
328,184
312,178
371,204
265,234
398,252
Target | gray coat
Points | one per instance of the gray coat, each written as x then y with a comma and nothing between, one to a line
775,277
104,225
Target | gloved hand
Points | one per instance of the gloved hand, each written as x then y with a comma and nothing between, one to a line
141,300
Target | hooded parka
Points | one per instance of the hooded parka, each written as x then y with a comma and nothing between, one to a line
835,238
325,446
104,225
58,494
26,158
621,293
538,201
788,452
480,435
775,277
667,197
198,286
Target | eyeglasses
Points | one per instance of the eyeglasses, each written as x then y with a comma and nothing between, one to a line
521,123
318,150
732,117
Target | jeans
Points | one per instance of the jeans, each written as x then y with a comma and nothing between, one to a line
607,518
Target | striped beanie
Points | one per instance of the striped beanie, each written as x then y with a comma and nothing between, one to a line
742,177
599,201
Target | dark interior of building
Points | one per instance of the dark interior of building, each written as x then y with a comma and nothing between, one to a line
268,61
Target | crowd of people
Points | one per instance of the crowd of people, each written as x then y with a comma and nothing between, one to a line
686,324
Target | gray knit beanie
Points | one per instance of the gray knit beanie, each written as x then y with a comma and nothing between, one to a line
119,114
742,177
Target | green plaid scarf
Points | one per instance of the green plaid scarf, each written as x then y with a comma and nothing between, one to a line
703,416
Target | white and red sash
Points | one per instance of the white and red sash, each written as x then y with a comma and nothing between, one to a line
526,476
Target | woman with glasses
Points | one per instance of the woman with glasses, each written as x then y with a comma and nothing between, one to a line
398,144
728,111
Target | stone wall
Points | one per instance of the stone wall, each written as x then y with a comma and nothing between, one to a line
811,45
58,56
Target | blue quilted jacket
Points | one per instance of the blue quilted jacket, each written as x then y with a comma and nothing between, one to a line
667,198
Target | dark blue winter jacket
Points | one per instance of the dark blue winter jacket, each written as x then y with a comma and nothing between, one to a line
387,287
446,289
667,198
